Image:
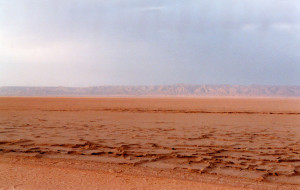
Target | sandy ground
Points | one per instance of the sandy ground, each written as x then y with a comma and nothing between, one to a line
21,173
154,143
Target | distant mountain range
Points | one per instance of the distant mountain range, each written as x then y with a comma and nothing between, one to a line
157,90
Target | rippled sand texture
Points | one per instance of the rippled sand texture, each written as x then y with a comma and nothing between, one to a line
257,139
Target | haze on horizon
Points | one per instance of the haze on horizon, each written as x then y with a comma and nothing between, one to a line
148,42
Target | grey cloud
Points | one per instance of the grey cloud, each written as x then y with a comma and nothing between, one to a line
151,42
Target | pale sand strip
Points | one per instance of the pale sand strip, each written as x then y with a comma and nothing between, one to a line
33,173
20,176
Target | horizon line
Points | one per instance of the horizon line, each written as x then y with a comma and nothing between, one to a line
127,85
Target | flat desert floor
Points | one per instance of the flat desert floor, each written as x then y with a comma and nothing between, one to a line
149,143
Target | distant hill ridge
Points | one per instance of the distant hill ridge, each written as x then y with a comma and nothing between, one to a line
157,90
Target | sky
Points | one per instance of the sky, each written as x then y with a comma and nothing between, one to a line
149,42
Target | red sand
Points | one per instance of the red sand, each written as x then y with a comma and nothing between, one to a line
155,143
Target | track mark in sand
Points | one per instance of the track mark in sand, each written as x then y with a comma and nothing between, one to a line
136,110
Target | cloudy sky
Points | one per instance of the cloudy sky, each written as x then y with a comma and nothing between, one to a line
137,42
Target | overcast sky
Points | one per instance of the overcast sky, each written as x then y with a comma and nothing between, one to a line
137,42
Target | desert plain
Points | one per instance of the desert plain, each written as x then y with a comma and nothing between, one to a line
149,143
